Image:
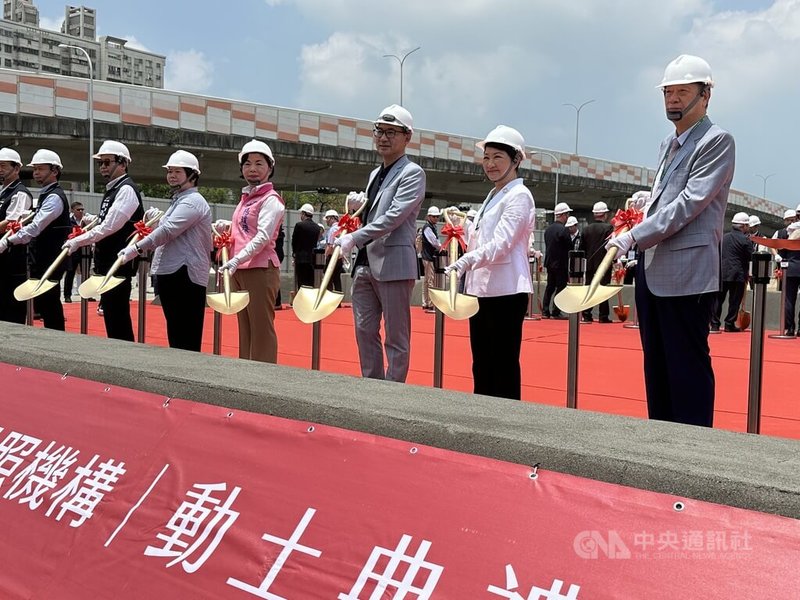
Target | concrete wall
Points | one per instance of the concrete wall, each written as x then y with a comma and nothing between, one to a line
749,471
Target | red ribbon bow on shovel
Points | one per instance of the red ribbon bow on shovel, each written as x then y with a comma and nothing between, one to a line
452,232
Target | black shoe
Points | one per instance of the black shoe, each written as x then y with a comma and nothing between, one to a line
605,320
732,329
545,315
789,333
68,300
714,329
587,319
561,317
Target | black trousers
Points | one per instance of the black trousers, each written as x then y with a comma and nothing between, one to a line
495,337
678,376
603,309
734,290
12,310
556,281
49,306
792,285
184,306
304,272
117,311
335,283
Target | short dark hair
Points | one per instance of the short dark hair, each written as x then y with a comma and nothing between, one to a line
75,204
512,152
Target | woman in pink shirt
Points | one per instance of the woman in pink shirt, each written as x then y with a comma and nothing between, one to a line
255,266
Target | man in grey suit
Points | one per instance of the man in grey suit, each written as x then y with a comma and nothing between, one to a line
678,269
385,269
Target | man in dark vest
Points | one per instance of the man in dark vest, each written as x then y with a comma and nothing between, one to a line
45,234
430,248
557,244
305,236
737,249
15,202
593,241
120,209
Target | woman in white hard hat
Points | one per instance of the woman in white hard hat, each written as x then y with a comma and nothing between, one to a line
496,266
182,244
255,265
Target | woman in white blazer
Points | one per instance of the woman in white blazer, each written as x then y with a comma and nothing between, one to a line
497,269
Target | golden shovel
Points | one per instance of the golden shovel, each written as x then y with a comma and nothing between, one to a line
36,287
227,302
577,298
452,303
314,304
100,284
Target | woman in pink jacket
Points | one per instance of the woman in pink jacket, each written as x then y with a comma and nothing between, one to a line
255,266
497,269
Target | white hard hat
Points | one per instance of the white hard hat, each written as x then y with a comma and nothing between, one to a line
332,213
789,213
687,69
472,213
9,155
740,218
561,208
115,148
434,211
45,157
182,158
600,207
396,115
259,147
508,136
754,221
571,222
307,208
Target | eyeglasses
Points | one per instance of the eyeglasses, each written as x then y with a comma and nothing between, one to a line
76,209
377,133
105,162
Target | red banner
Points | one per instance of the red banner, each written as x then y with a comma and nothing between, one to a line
107,492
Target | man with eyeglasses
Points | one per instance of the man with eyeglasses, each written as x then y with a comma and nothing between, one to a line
120,208
385,270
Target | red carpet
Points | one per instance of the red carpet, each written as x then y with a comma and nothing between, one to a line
610,369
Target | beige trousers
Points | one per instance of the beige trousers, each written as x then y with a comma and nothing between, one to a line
257,337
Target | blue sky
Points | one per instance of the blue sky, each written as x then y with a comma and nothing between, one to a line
485,62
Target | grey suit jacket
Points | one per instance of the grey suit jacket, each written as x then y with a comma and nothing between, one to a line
391,226
682,233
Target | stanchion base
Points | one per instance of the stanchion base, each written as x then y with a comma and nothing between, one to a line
714,332
631,326
533,318
780,336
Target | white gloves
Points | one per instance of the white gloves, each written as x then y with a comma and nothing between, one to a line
231,265
70,245
639,199
150,214
622,242
222,225
537,254
461,265
778,258
3,245
631,263
128,253
355,200
345,242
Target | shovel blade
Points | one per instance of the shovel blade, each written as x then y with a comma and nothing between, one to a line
32,288
238,301
460,307
575,298
97,284
305,299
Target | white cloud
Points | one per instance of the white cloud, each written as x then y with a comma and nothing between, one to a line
51,24
188,71
134,43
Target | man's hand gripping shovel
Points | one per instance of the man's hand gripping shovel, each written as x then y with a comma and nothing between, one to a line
100,284
226,302
452,303
37,287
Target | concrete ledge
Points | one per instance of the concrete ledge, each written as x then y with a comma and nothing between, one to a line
748,471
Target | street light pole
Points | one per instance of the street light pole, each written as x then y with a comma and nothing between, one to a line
558,168
91,111
577,120
401,60
764,194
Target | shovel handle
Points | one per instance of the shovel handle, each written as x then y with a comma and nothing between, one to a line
605,264
326,277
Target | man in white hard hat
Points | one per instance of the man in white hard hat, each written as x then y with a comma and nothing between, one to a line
15,202
431,246
593,238
120,209
46,234
305,236
332,221
789,217
736,252
678,272
182,258
557,244
574,232
753,231
385,269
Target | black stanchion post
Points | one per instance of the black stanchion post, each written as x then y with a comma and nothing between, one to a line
316,327
439,279
86,265
142,282
577,273
217,335
759,274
